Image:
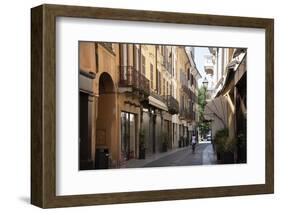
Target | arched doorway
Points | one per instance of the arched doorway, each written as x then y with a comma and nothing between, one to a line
106,84
106,122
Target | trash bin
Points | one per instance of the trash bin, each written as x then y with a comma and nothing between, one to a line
102,158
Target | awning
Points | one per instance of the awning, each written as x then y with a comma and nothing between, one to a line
216,110
231,69
159,104
238,51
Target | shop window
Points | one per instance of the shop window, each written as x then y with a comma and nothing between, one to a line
128,135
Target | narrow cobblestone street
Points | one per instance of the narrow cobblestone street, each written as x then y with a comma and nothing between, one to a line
204,155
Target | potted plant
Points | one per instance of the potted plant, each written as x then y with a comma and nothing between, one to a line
229,151
142,144
220,138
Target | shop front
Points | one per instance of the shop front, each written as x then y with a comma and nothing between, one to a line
128,136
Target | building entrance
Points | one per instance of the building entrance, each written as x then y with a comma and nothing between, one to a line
128,136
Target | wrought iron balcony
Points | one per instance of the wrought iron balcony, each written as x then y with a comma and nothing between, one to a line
157,96
186,114
183,113
172,104
130,77
185,88
183,79
192,96
144,84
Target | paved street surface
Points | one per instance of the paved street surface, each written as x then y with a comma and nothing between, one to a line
204,155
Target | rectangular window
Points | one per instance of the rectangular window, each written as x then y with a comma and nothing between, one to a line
164,56
123,73
136,57
164,87
181,75
159,79
128,138
182,103
151,76
124,55
143,64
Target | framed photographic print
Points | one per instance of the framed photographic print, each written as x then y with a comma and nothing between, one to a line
136,106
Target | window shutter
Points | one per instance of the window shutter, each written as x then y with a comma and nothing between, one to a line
143,64
151,76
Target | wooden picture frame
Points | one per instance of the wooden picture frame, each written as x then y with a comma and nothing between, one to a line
43,105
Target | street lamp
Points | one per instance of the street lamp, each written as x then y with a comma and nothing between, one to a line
205,82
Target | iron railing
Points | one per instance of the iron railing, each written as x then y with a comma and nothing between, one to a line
185,88
187,114
157,96
183,79
130,77
190,93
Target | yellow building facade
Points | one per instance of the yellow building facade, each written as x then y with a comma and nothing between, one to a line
126,89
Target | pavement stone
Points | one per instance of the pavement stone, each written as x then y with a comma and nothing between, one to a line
204,155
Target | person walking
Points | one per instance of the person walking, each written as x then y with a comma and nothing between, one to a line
193,143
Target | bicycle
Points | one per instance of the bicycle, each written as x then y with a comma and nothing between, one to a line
193,148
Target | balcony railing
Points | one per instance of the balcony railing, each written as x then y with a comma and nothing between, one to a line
187,114
190,93
185,88
183,79
144,84
130,77
157,96
172,104
192,96
183,113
